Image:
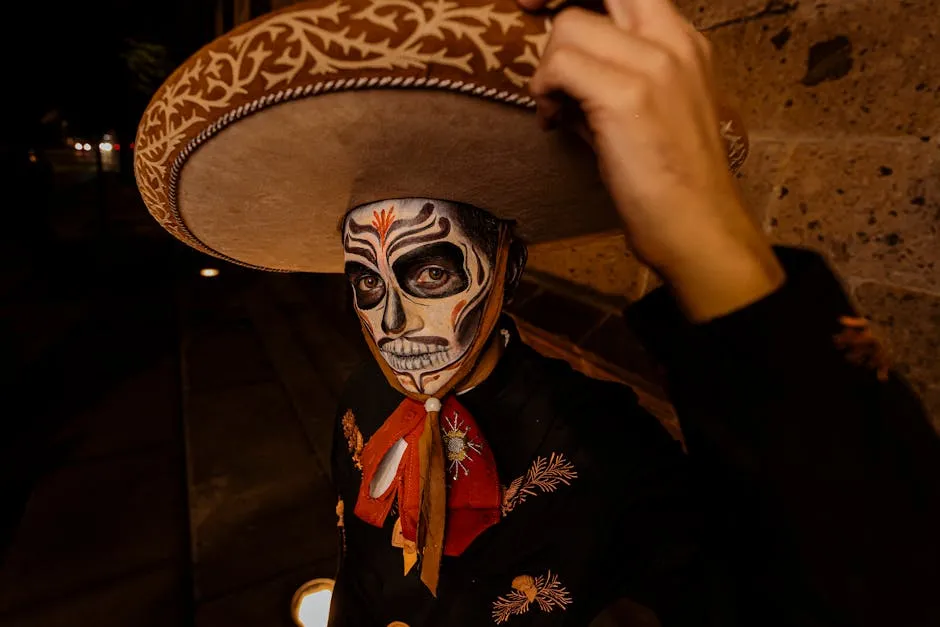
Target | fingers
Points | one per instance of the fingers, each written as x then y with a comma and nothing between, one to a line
619,12
656,19
659,21
594,34
587,79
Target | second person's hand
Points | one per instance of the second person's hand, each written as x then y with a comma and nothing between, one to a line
642,79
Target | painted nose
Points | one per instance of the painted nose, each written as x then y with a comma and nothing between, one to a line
393,320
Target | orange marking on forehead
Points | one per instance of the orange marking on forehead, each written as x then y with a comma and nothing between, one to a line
382,221
456,312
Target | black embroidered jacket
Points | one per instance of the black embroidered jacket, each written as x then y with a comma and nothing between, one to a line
810,495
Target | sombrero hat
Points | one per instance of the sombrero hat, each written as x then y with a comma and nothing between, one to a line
256,147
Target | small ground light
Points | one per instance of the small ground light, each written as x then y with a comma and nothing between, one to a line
209,272
310,606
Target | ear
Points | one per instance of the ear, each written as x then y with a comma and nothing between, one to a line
515,265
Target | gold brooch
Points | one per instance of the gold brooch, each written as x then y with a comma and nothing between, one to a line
545,475
460,448
353,437
545,591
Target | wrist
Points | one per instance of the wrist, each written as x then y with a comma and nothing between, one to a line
723,275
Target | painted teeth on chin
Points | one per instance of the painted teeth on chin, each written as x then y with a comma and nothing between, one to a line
399,359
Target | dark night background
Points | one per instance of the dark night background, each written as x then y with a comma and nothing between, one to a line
163,435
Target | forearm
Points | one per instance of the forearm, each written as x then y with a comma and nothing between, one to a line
829,463
730,265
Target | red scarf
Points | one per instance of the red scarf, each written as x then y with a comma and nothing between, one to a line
473,495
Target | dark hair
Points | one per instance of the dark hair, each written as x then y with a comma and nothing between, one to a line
482,226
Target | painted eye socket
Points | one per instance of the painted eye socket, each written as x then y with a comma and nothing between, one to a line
369,288
431,271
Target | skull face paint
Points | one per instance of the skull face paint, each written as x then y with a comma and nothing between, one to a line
420,283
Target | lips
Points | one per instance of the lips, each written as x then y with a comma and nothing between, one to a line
404,355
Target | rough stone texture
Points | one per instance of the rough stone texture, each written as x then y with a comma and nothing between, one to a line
872,206
869,73
760,174
601,262
707,14
910,324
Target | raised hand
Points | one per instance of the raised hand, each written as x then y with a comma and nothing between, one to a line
642,81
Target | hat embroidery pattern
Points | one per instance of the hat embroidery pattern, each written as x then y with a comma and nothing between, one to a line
244,72
482,48
543,476
545,591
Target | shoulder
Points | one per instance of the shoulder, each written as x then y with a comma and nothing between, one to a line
604,417
368,396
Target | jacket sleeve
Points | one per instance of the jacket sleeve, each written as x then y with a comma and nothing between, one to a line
822,482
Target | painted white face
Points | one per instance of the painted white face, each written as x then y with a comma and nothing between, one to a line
420,284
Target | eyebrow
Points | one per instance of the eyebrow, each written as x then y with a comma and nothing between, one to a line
407,223
357,228
352,268
405,240
368,252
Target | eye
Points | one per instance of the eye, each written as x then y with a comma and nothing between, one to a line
431,271
368,282
368,286
432,276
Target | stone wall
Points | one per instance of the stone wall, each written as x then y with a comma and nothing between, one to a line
844,117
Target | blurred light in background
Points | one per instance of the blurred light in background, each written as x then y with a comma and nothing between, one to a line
78,146
105,146
86,147
209,272
311,604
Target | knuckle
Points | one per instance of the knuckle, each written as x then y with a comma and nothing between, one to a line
563,55
687,49
708,50
663,64
567,20
635,93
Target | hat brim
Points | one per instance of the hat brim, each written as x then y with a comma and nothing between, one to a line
271,191
257,146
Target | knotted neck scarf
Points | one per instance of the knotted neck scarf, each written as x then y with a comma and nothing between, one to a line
422,466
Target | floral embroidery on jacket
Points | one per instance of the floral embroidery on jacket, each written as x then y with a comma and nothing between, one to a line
545,475
353,437
545,591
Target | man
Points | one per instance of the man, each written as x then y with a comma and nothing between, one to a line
598,501
481,483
